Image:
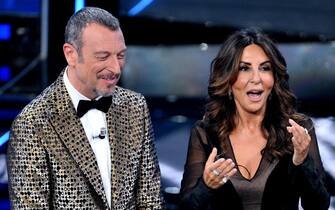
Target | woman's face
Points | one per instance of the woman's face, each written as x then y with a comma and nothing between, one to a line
254,81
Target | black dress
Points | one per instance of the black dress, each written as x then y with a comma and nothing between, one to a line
277,185
251,190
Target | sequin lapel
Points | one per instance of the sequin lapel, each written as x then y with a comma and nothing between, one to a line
71,132
117,120
125,124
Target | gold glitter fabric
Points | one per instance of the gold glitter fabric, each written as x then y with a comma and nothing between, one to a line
51,164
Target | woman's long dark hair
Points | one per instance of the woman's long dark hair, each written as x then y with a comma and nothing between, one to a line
221,109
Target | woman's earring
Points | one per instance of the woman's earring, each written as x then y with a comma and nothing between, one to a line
230,95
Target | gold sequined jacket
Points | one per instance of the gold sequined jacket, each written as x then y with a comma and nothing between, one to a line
51,164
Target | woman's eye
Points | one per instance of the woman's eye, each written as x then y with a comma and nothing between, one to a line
243,68
266,68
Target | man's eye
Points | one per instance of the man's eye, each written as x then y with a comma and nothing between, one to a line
121,56
102,58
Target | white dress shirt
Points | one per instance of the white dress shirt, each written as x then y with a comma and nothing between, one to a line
93,121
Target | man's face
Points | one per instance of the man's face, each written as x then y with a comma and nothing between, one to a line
97,68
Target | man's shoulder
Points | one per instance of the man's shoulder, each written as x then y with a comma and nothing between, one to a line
38,106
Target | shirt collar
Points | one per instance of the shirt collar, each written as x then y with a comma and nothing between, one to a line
75,95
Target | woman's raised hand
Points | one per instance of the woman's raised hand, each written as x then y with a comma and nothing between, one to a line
301,141
217,172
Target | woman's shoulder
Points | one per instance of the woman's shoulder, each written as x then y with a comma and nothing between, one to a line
202,126
203,133
199,124
199,129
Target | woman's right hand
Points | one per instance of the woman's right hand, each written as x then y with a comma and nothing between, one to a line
217,173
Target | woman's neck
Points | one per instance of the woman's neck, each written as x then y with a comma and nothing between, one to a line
248,122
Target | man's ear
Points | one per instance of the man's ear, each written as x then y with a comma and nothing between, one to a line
70,54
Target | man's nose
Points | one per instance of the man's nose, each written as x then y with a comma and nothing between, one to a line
114,64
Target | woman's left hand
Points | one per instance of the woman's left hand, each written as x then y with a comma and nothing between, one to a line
301,141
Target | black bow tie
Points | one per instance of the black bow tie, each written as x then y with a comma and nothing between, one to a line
102,104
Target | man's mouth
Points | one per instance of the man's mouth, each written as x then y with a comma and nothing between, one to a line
110,78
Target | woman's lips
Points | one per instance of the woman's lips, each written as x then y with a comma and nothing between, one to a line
255,96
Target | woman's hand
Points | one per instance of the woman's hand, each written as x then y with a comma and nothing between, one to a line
216,173
301,141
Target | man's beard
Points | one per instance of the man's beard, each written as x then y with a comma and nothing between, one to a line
105,93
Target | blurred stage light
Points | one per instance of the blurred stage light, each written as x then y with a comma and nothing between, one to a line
4,138
5,73
140,6
79,4
5,31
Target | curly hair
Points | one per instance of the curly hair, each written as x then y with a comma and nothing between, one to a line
221,109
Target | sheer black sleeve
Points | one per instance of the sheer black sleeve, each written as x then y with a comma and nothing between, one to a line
310,176
194,192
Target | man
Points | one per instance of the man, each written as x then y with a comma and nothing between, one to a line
85,143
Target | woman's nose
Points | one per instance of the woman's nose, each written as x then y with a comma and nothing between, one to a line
255,76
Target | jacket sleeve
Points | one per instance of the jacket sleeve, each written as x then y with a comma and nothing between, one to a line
194,192
149,184
27,168
310,177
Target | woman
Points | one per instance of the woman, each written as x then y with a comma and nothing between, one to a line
252,150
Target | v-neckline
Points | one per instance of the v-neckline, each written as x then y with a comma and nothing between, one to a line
236,163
